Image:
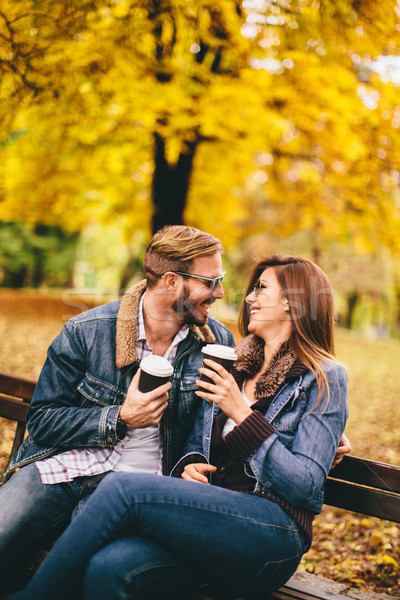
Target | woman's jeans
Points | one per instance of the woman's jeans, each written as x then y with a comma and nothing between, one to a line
144,536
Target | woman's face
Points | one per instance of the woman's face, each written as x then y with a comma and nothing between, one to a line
268,308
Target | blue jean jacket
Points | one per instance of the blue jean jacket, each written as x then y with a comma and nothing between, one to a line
295,460
85,378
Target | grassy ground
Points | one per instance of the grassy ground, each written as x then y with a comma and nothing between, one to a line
363,552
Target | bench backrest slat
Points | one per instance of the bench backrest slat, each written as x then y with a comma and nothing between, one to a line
15,396
13,409
368,472
368,501
19,387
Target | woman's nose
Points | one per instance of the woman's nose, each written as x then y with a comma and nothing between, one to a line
250,297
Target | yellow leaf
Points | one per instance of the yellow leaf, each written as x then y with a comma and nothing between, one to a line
366,523
377,539
386,559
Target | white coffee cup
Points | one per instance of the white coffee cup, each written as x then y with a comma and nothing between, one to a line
223,355
155,371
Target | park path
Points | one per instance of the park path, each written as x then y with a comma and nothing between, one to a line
29,321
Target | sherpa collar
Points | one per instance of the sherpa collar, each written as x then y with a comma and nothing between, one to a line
250,352
127,327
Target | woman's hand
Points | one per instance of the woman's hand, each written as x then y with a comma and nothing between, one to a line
224,391
195,472
343,449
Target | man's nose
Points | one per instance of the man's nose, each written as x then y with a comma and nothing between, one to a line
218,292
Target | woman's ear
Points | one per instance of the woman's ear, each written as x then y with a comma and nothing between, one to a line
286,306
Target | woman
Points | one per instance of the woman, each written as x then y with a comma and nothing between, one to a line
266,436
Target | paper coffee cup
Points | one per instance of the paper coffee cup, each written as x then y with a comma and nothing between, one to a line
224,355
155,371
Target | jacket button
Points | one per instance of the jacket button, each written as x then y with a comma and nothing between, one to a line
109,439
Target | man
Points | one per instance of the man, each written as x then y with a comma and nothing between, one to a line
87,416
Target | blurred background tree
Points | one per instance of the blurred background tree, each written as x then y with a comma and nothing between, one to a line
36,256
268,123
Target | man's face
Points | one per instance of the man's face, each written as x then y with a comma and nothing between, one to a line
194,301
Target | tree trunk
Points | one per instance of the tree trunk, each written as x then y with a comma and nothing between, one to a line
352,300
171,183
316,255
169,192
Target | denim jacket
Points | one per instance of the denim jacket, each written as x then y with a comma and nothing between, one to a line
85,378
293,461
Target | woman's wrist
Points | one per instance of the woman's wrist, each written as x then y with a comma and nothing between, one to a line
242,414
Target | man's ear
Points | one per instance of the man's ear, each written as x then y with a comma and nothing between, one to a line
170,280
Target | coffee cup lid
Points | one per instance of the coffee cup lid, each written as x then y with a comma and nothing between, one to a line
156,365
220,351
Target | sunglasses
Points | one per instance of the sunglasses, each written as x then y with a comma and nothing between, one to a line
258,286
210,282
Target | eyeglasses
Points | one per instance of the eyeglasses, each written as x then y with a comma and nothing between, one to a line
261,285
258,286
211,282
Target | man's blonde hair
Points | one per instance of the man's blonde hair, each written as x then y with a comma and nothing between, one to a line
174,248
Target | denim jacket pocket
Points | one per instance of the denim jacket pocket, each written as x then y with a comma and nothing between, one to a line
99,392
290,415
187,389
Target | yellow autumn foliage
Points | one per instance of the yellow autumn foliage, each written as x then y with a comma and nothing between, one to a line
277,104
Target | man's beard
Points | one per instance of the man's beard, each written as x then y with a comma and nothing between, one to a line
187,309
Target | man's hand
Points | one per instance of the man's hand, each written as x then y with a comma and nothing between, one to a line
141,410
196,472
343,449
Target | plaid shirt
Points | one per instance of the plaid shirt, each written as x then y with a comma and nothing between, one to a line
85,462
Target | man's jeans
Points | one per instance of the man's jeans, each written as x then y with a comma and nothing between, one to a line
144,536
30,511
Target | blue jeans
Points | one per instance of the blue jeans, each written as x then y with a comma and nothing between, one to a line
144,536
30,511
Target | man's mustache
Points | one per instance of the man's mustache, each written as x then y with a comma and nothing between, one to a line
190,304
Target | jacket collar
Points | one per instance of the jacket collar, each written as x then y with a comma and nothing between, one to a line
283,365
127,327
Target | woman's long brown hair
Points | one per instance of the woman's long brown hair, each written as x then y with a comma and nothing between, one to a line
310,298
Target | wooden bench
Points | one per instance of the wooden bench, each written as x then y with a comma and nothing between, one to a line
15,396
357,484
